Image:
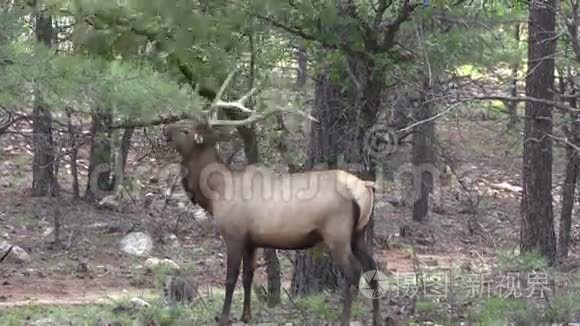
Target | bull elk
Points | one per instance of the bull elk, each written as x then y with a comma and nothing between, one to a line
257,208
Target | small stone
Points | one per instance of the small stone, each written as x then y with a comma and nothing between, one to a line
148,199
171,239
109,323
45,322
138,302
47,232
109,202
137,244
16,255
152,263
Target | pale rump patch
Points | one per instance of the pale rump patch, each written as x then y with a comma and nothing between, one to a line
362,193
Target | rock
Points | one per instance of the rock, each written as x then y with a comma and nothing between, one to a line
16,255
199,213
82,268
109,202
137,244
152,263
4,247
46,322
47,232
505,186
148,200
102,322
140,303
171,239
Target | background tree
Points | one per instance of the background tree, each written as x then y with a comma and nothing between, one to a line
537,231
43,177
570,14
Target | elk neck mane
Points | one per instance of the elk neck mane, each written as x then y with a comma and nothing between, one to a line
192,168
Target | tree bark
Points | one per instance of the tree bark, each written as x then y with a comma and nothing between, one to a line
367,103
302,60
423,156
569,187
512,106
537,230
73,154
121,158
44,181
329,139
125,146
100,165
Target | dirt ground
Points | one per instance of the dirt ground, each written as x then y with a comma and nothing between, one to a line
469,228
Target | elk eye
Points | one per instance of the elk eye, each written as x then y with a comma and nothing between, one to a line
185,131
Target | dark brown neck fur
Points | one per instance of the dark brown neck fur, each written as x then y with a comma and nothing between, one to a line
191,172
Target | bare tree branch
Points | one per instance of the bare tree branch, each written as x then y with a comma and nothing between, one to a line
380,11
151,123
392,29
311,37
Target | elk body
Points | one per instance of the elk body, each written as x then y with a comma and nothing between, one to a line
257,208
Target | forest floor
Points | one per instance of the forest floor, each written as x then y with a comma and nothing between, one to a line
474,229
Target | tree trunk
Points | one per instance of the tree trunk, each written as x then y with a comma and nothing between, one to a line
121,159
99,177
44,181
568,192
302,60
73,154
125,146
512,106
537,231
329,139
368,103
569,187
314,272
423,156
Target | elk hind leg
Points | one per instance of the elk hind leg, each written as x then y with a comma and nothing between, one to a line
247,276
234,259
342,253
368,264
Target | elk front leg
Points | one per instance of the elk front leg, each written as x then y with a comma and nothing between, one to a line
234,259
247,276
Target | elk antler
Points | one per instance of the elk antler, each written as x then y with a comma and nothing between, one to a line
239,105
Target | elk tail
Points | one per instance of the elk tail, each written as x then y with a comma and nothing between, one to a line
365,202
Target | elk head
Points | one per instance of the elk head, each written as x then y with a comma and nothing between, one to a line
190,136
206,130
